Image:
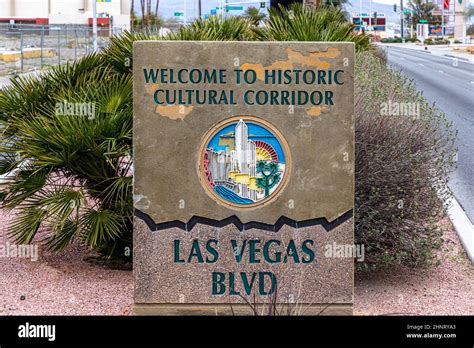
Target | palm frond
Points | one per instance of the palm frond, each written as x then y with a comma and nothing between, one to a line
215,29
301,23
98,226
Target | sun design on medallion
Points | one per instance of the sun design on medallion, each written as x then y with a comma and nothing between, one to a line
244,162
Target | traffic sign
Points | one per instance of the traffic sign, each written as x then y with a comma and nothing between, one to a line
179,14
234,8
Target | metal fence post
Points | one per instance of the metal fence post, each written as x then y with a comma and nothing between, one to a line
59,46
86,39
42,46
75,44
65,41
21,51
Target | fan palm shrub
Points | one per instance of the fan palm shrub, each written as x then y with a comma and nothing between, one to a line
215,29
119,53
300,23
254,15
68,135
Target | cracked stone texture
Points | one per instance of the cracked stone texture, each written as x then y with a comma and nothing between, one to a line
321,140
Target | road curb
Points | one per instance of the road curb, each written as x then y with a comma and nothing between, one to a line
442,55
463,227
459,58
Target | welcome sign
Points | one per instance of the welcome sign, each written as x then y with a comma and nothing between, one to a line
244,175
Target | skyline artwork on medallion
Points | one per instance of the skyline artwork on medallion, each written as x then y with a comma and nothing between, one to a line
244,163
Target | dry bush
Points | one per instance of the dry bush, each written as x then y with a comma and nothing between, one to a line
403,164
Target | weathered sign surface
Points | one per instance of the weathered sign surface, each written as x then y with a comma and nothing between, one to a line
244,175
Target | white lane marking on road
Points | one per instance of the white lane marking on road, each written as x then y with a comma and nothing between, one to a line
472,81
441,71
421,64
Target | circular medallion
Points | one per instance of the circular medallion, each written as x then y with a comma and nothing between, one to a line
244,162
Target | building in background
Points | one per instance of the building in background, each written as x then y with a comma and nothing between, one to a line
109,12
454,16
374,22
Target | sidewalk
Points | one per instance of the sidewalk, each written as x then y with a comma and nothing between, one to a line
5,80
450,51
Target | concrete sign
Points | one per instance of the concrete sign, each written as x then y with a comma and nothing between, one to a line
244,176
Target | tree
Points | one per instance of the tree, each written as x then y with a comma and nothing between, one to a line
148,14
270,176
330,2
149,17
142,5
470,12
422,10
335,2
254,15
156,18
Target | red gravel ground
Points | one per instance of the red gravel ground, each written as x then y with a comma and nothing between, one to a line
61,284
444,289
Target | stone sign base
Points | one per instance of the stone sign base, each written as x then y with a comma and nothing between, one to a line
178,272
243,177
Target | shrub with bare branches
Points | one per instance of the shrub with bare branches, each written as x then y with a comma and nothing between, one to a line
404,155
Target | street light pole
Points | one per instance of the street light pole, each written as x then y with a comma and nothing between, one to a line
199,9
360,16
401,21
94,24
442,21
370,14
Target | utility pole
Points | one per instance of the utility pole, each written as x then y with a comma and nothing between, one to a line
370,14
199,9
401,22
442,21
185,14
94,24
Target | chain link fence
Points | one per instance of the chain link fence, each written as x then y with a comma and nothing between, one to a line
27,47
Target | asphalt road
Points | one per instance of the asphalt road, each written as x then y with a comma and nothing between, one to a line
451,87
